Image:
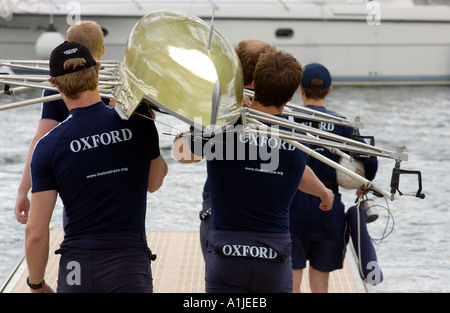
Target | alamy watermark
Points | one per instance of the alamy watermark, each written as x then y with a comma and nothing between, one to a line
74,276
233,142
374,277
73,12
374,16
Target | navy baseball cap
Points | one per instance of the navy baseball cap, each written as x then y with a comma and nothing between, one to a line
69,50
315,70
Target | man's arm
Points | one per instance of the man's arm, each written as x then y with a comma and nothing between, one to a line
37,236
312,185
22,203
158,170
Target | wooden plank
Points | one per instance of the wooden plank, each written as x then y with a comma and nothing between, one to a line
178,268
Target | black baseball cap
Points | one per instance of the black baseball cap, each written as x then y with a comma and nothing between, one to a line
315,70
69,50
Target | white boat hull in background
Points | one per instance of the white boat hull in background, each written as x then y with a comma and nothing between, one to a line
401,43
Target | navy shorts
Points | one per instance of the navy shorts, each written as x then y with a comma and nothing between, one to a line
244,262
105,269
324,255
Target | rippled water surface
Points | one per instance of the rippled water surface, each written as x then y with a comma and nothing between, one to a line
415,257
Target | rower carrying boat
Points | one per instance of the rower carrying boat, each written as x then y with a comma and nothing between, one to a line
178,64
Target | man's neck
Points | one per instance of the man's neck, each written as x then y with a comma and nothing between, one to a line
313,102
271,109
86,98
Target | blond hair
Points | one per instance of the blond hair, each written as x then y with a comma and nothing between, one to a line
90,34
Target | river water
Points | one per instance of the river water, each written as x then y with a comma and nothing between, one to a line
414,256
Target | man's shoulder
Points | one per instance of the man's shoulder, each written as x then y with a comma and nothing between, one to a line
48,92
334,113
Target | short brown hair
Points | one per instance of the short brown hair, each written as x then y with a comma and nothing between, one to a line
248,52
73,84
277,77
316,93
88,33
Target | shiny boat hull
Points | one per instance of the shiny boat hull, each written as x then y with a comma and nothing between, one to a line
174,63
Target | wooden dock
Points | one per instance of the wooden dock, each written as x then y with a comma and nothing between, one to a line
179,267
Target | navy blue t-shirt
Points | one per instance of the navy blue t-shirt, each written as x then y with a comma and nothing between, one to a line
306,218
252,180
99,164
57,109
